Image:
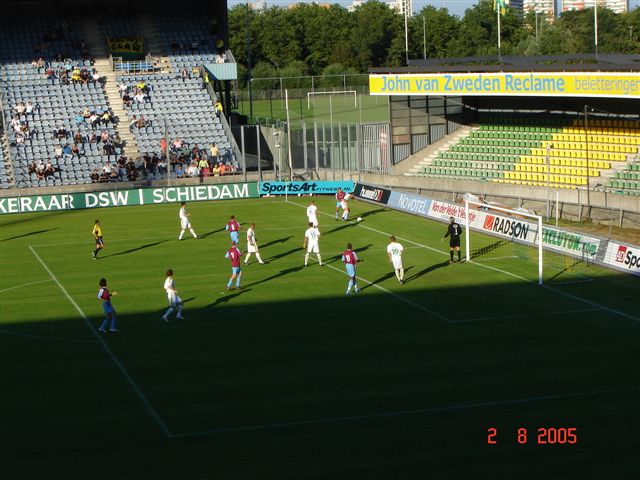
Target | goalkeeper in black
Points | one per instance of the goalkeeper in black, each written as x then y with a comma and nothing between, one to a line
454,230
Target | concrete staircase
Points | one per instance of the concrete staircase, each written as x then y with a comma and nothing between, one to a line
418,161
8,165
154,47
96,44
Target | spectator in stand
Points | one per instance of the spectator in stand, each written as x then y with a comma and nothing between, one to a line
195,72
108,149
133,123
218,109
139,96
122,169
32,168
60,132
216,170
179,171
127,100
162,166
163,145
29,107
132,172
75,75
63,74
40,170
176,145
222,168
48,170
203,166
193,171
205,80
84,75
51,75
93,119
184,74
215,152
106,117
78,139
75,150
92,138
40,64
96,77
123,88
20,108
117,141
95,176
58,151
104,136
86,113
79,119
142,86
66,150
142,122
107,169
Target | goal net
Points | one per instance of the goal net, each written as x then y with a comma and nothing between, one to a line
507,240
328,97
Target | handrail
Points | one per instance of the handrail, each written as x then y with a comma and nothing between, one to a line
5,132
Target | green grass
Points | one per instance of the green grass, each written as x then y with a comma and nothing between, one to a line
340,108
291,378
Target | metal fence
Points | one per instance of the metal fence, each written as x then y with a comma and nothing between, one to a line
306,149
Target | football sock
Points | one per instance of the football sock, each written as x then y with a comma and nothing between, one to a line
113,322
458,255
168,312
319,259
306,258
258,257
355,287
181,234
349,286
402,274
95,252
230,283
451,253
397,274
193,233
246,259
103,325
179,312
238,280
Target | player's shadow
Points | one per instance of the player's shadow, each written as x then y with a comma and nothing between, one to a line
425,271
488,248
371,212
284,254
136,249
274,242
35,232
228,297
341,227
386,276
281,273
205,235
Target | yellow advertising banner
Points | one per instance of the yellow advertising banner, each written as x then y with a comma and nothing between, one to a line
540,84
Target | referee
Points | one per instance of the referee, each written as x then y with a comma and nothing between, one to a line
454,230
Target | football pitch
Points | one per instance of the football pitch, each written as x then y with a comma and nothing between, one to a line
289,378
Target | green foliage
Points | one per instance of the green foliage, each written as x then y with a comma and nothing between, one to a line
309,37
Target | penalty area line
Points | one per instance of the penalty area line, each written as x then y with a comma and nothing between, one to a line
402,413
137,390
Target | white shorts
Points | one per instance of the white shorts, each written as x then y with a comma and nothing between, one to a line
174,299
344,206
313,248
397,262
313,221
184,223
252,248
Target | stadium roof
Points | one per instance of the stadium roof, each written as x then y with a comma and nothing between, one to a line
549,63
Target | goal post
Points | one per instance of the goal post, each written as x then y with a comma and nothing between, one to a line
513,226
310,95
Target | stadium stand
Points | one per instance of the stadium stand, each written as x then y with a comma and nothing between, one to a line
514,150
177,107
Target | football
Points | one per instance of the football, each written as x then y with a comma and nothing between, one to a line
359,219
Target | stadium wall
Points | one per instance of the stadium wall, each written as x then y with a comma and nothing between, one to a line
619,256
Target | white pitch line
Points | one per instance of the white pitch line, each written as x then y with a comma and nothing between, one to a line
526,315
112,356
400,413
399,297
43,337
24,285
559,292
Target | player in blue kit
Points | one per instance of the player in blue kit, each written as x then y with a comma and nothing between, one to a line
109,311
349,258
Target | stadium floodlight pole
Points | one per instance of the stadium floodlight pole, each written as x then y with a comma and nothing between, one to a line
248,48
586,140
286,102
499,33
424,36
406,31
549,146
595,25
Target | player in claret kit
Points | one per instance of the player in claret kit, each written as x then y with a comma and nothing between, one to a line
312,214
233,227
349,258
454,230
175,302
339,201
234,255
312,244
184,222
107,307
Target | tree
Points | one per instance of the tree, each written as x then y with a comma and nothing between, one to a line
375,27
440,29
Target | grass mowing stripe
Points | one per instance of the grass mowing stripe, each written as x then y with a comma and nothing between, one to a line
399,297
114,359
42,337
25,285
526,315
400,413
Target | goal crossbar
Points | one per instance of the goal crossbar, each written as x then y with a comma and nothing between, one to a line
332,92
483,207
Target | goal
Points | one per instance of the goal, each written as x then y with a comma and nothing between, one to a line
511,237
312,95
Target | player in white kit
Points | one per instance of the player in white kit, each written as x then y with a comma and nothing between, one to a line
252,246
312,244
184,221
175,302
312,214
394,251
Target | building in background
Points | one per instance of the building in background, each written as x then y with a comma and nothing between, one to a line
543,7
258,5
401,6
618,6
355,4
